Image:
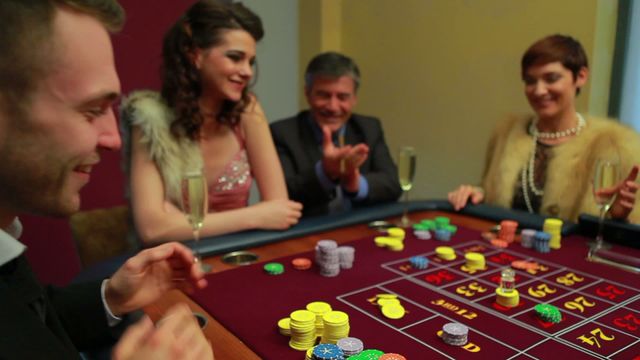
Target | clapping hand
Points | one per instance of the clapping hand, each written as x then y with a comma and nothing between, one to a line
148,275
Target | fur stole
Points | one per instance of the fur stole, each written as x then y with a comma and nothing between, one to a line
568,186
146,110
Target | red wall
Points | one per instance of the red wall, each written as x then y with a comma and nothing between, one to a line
137,50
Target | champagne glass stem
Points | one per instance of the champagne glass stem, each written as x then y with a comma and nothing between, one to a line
599,238
405,214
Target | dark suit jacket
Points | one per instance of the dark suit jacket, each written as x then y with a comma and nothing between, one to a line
75,317
299,151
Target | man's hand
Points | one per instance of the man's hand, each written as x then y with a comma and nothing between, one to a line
625,193
176,336
148,275
332,156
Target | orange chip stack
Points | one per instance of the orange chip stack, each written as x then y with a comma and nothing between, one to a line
499,243
301,263
508,230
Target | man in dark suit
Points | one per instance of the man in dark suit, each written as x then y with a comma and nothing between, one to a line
57,87
332,158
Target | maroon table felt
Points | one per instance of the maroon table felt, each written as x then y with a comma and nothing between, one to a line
600,304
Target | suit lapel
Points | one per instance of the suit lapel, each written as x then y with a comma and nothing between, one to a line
23,333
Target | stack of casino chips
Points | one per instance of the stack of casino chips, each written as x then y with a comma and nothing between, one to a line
446,253
394,240
554,228
548,313
336,327
284,326
369,354
346,254
422,230
527,238
541,242
508,230
475,261
328,258
455,334
444,230
419,262
303,329
327,352
390,306
350,346
319,308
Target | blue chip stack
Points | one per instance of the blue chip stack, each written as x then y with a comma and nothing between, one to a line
541,242
528,237
443,235
327,352
419,262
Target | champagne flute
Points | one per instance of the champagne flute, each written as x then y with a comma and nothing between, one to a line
606,175
194,205
406,172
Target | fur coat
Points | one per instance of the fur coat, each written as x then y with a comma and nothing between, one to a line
568,187
146,110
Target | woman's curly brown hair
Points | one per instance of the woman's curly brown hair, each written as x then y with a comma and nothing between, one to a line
201,27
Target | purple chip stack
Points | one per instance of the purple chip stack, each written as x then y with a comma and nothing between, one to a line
346,255
328,258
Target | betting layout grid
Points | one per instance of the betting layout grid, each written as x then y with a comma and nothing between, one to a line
600,318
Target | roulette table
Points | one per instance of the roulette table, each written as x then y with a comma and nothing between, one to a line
600,305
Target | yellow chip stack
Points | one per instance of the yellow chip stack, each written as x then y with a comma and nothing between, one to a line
284,326
446,253
475,261
303,330
390,306
508,299
309,355
394,239
553,227
336,327
319,308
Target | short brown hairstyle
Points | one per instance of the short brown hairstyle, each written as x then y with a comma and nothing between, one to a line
26,42
562,48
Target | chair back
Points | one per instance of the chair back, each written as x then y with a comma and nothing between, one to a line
101,234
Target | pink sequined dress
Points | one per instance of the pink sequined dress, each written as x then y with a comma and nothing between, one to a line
231,188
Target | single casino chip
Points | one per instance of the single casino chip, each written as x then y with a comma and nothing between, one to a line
393,311
274,268
396,232
383,302
548,313
301,263
499,243
488,235
525,265
391,356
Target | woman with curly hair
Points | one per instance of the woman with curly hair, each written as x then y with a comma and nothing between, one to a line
205,118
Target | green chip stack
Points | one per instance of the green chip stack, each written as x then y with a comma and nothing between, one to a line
370,354
548,313
274,268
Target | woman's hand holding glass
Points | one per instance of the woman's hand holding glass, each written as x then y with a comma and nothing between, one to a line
625,195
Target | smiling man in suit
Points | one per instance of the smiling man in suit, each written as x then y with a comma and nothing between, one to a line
58,83
333,159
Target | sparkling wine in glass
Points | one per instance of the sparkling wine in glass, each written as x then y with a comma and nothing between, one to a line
606,176
194,205
406,173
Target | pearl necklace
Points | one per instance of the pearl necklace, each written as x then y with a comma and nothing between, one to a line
527,175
